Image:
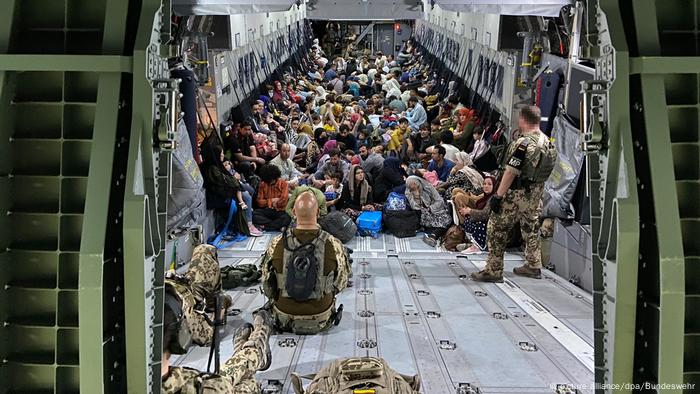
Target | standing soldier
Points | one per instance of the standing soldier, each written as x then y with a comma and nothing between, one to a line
529,162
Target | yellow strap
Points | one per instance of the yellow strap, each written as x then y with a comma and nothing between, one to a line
364,391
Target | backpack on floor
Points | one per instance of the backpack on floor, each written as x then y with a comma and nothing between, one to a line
233,276
369,223
455,235
357,375
339,225
402,224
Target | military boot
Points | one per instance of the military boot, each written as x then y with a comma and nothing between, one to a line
262,320
486,276
524,270
240,337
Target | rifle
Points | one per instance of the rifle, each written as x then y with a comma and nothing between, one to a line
218,322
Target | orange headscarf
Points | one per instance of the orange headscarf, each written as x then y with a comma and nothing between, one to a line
465,112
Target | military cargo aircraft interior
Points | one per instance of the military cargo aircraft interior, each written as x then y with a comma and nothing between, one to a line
362,196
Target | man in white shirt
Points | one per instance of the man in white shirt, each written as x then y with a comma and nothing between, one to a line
446,140
371,73
287,167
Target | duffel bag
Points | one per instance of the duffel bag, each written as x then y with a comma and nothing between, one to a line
339,225
402,224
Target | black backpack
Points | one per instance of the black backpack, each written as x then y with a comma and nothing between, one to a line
339,225
302,269
402,224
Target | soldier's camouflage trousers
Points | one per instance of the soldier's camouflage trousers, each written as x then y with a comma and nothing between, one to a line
204,274
237,375
306,324
196,291
523,206
248,356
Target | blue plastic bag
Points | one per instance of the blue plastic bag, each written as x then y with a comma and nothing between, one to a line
330,196
395,202
228,236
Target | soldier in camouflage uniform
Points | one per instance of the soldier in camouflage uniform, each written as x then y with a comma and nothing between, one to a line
317,313
251,353
516,200
195,291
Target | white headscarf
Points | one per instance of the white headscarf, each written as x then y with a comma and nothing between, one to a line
320,93
429,198
474,176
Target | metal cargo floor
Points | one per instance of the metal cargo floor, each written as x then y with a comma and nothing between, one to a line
414,306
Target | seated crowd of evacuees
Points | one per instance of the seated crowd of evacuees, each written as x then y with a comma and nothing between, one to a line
353,131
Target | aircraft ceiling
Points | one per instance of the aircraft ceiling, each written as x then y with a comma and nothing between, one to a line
505,7
369,9
229,7
364,9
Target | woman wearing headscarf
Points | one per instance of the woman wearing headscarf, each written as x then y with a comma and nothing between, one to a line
392,178
450,123
293,95
320,94
302,139
463,176
464,128
304,136
476,219
325,153
313,150
392,88
357,194
353,86
278,95
435,215
222,187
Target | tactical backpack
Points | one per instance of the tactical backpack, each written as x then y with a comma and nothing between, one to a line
233,276
302,275
339,225
357,375
545,165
